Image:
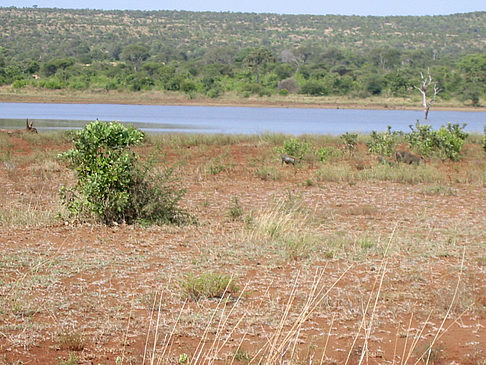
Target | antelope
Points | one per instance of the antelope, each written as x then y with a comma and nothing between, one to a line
28,129
407,157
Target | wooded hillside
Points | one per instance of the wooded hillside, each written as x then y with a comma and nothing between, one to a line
44,33
209,53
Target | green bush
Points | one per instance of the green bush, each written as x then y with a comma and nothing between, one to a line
112,184
484,139
294,147
450,139
350,141
314,88
447,142
422,138
19,84
382,144
326,153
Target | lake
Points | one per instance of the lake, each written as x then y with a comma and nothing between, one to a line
229,120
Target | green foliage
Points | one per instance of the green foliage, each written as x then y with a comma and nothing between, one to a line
382,144
327,153
207,285
450,139
422,138
447,142
112,184
294,147
350,141
163,50
484,139
235,211
314,88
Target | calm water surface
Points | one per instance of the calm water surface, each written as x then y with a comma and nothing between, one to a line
229,120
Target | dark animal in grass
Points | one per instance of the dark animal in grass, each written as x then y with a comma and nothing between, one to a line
288,160
407,157
28,129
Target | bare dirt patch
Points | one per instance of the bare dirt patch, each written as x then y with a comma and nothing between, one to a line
330,270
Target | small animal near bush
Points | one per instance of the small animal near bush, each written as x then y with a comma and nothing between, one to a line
407,157
288,160
28,129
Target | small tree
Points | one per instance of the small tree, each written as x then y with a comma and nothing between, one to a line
424,88
136,54
258,59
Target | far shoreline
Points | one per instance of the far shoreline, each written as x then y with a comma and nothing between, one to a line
9,95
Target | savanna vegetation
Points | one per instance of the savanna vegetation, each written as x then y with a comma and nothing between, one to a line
349,256
216,55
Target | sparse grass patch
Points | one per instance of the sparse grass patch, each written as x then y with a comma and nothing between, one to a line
207,285
267,173
402,174
217,165
30,213
335,173
235,210
73,360
298,245
70,340
242,356
439,189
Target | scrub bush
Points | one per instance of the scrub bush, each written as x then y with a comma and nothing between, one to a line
382,144
294,147
113,185
446,142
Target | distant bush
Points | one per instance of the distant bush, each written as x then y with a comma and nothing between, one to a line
314,88
450,139
350,141
447,142
484,139
294,147
422,138
19,84
326,153
382,144
112,184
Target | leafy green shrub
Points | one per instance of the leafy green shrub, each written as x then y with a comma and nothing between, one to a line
207,285
113,185
484,139
350,141
422,138
19,84
447,141
294,147
382,144
314,88
326,153
450,139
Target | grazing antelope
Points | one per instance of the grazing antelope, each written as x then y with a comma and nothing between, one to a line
288,159
407,157
28,129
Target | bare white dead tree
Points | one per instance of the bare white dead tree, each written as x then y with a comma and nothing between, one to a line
425,85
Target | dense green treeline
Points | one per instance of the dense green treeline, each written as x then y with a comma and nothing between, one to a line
249,54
